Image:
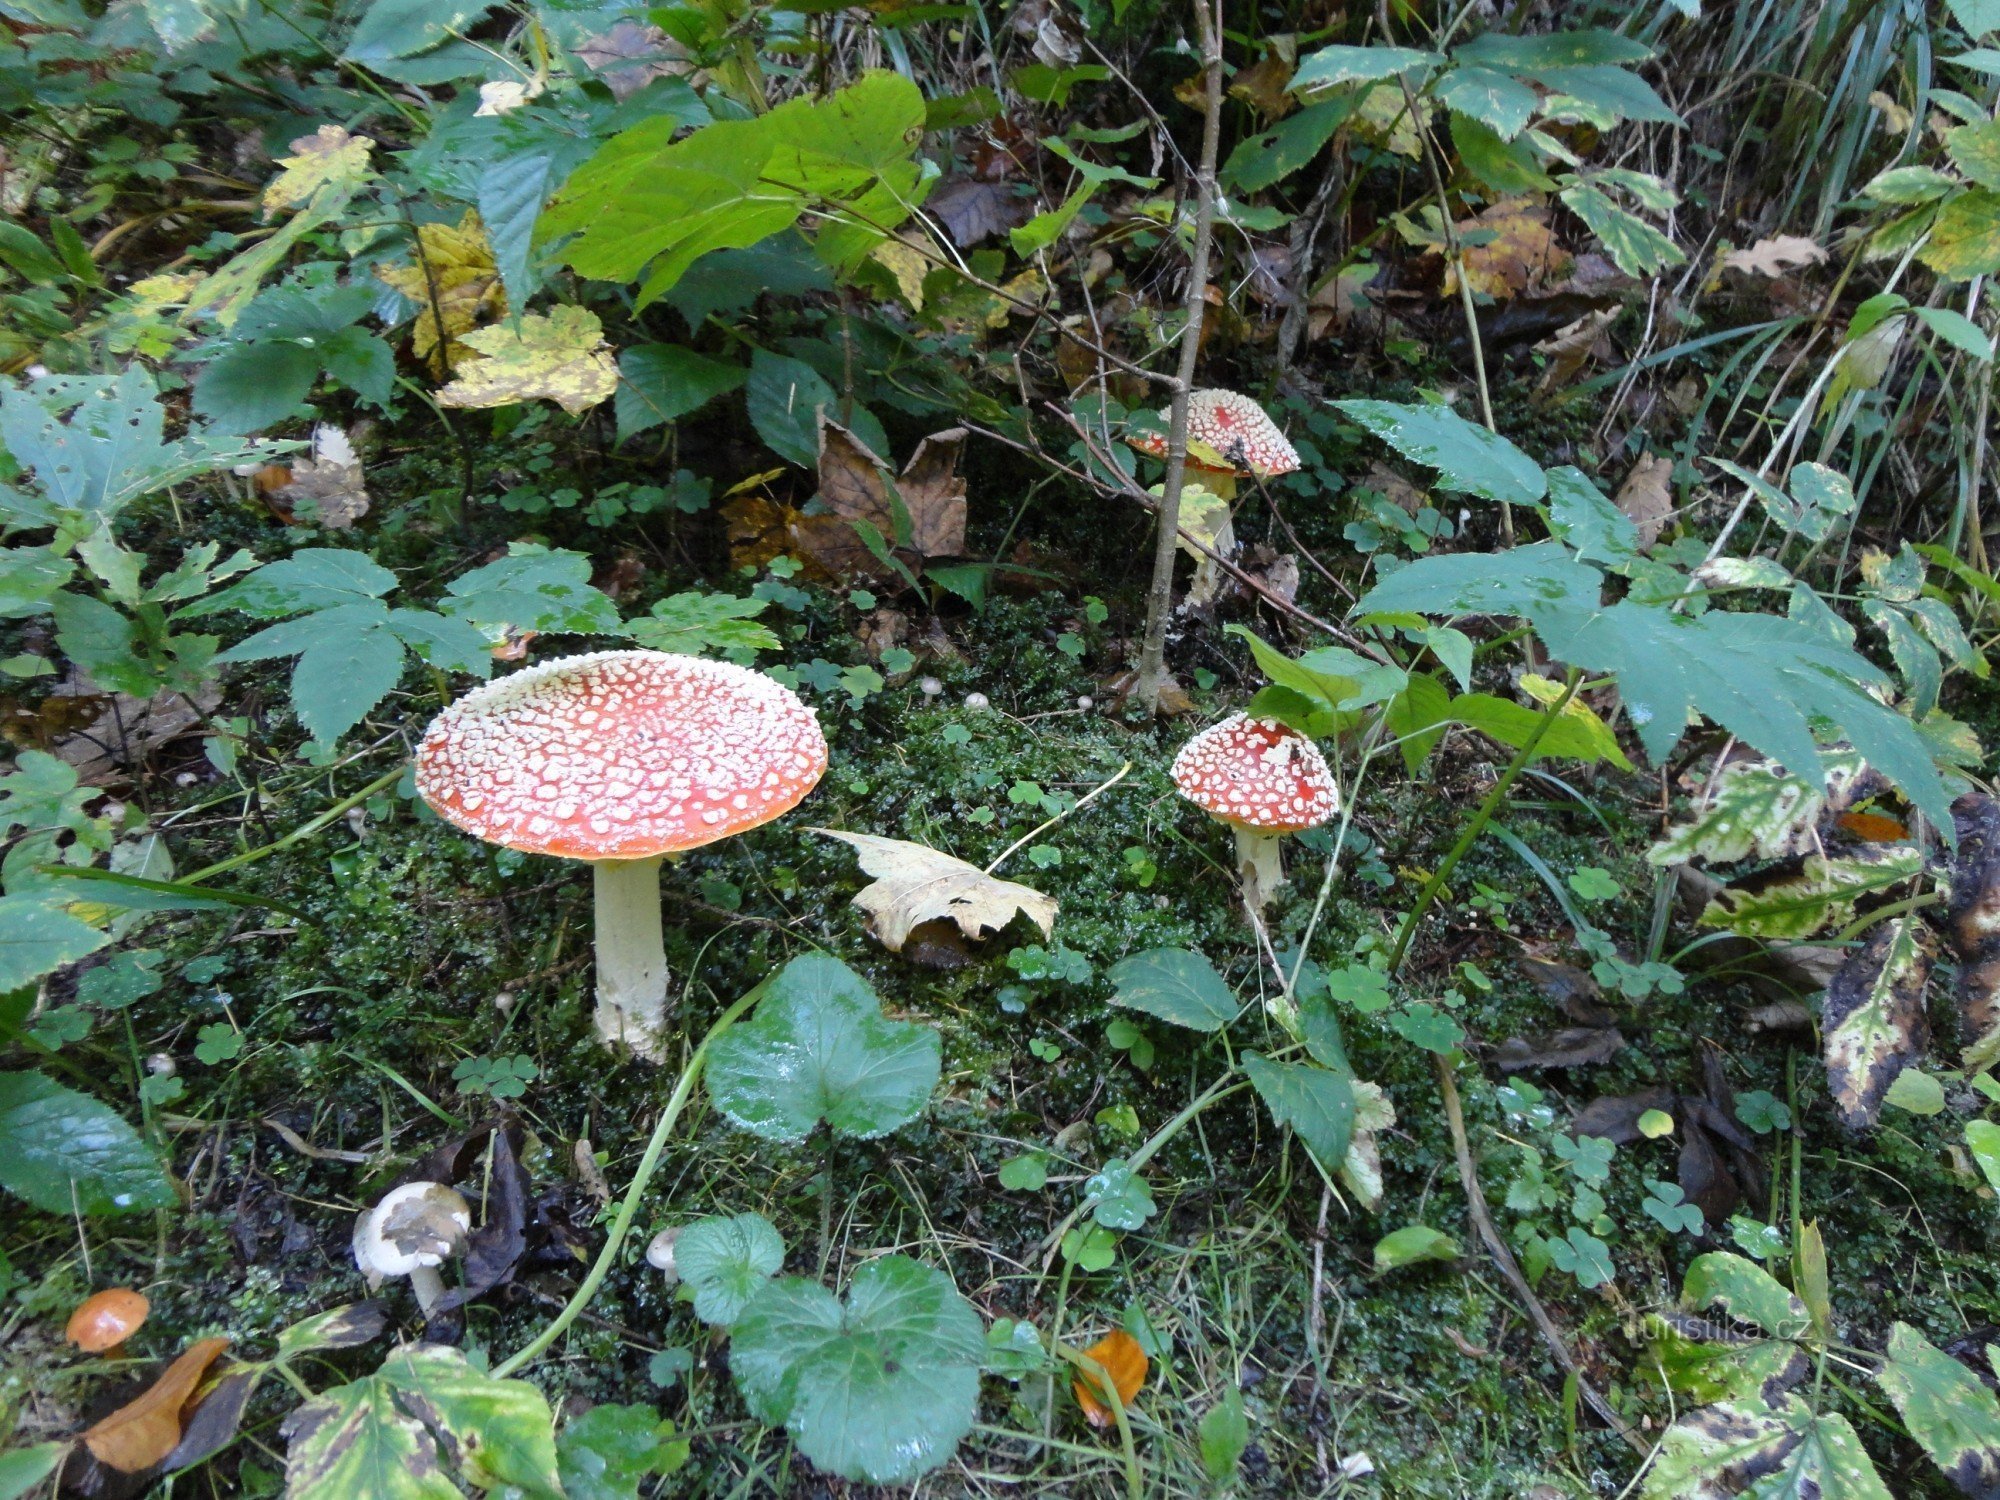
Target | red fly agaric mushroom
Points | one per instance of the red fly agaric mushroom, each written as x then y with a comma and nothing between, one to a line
1264,780
621,758
106,1319
1229,437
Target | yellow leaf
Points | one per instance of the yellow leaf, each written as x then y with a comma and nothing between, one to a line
1515,252
1547,692
1385,118
907,264
560,357
454,278
331,158
1204,518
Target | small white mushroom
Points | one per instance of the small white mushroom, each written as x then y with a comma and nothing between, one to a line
412,1232
976,700
162,1065
930,687
660,1255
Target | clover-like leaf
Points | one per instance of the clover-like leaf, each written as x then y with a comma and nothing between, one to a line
879,1388
819,1048
1118,1197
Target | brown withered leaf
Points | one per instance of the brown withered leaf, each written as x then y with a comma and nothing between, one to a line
327,488
143,1432
1973,922
1125,1362
1571,1047
920,512
1569,987
973,211
1647,497
915,884
1263,85
1874,1018
632,54
1574,345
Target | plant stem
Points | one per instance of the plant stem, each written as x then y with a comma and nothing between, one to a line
304,831
1106,1390
1159,595
631,955
628,1210
1041,828
1480,819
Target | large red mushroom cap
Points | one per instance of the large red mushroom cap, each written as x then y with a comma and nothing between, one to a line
620,755
1225,426
1258,775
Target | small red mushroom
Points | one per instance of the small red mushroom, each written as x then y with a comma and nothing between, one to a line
620,758
106,1319
1264,780
1229,437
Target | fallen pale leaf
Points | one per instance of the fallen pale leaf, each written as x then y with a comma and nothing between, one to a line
560,356
143,1432
1775,256
916,884
907,264
327,487
328,158
1573,345
454,284
1125,1362
1647,497
1508,249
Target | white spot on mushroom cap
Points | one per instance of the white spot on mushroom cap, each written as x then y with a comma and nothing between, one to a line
620,755
1258,774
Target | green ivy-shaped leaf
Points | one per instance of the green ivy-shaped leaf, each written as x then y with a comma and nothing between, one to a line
726,1261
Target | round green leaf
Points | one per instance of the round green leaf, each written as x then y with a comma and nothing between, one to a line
726,1262
819,1048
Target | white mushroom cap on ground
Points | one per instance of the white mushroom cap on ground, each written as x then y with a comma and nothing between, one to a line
1263,779
411,1232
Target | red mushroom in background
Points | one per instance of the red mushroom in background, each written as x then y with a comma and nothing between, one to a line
104,1320
620,758
1230,437
1264,780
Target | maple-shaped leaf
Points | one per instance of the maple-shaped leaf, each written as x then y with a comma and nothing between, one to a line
560,356
915,884
455,285
329,158
922,510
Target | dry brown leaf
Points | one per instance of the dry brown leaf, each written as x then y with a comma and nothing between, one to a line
1573,345
632,54
1263,85
1647,496
1776,256
915,884
972,211
143,1432
327,488
1125,1362
854,485
1508,250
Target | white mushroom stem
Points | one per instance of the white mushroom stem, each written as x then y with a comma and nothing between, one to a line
428,1284
1259,865
631,955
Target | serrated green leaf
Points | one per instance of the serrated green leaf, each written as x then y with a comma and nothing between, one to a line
1503,105
819,1048
355,1440
501,1431
609,1451
880,1389
696,623
24,1468
664,382
1965,236
1336,65
1175,985
1469,459
1636,246
1786,1453
726,1261
1521,581
1947,1408
1796,900
1316,1102
37,938
534,589
66,1153
310,579
1746,1291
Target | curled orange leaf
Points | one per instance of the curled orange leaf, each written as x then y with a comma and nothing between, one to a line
1873,827
144,1431
1125,1362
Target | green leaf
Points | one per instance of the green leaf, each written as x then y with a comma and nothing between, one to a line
819,1048
1975,151
341,675
1412,1244
1469,459
24,1468
37,938
1583,1256
695,623
1636,246
1533,55
1791,1452
1224,1435
1947,1408
1965,236
1316,1102
880,1389
1337,65
1957,330
664,382
500,1430
66,1153
1428,1027
1581,515
1982,1139
1753,808
1263,160
355,1440
1175,985
1118,1197
1496,101
310,579
252,385
1607,92
1746,1291
394,29
1570,737
1977,17
1875,1021
1909,185
786,397
726,1262
534,589
608,1452
1024,1174
1797,900
29,576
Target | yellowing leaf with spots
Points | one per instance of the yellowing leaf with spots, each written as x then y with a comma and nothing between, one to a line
454,282
330,158
1875,1021
560,357
907,264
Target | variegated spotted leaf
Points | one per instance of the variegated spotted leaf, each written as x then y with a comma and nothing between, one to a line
1787,1453
560,356
1802,896
330,158
1948,1409
1973,923
1757,809
1875,1020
